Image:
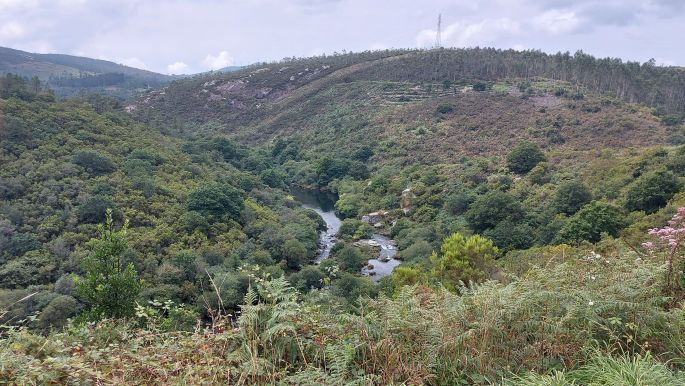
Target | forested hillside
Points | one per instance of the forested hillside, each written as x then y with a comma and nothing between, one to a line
533,200
69,75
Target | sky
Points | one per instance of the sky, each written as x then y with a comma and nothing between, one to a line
183,36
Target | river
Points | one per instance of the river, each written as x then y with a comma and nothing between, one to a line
323,204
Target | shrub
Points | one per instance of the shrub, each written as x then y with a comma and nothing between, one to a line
34,267
109,286
350,259
444,108
590,222
351,287
459,202
571,196
463,260
417,251
94,162
216,200
524,157
651,191
480,86
310,277
56,313
93,210
509,235
294,253
490,209
671,120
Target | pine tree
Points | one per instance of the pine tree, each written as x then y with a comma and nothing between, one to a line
109,286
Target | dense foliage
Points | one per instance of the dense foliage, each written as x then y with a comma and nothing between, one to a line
518,196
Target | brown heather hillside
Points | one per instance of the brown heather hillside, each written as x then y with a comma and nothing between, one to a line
332,102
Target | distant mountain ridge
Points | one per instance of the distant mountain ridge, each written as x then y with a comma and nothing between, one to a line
69,75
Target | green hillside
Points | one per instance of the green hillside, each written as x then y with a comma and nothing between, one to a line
157,240
70,75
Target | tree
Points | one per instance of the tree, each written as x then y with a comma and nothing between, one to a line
571,196
590,222
94,162
480,86
652,191
444,108
294,254
309,277
509,235
109,286
492,208
462,260
56,313
350,259
215,200
524,157
93,210
406,275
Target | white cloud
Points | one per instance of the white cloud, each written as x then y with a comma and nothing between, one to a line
217,62
485,32
39,47
557,21
11,30
7,4
177,68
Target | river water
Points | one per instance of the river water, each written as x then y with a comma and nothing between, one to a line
323,204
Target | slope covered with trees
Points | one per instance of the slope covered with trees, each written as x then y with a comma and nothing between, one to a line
520,189
69,75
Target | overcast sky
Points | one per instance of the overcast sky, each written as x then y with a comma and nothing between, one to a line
183,36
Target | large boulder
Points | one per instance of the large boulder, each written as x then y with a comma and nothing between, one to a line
406,200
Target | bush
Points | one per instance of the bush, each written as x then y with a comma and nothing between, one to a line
216,200
351,287
524,157
571,196
92,211
350,259
109,286
508,235
590,222
463,260
57,312
94,162
294,253
651,191
310,277
480,86
417,251
34,267
444,108
459,202
492,208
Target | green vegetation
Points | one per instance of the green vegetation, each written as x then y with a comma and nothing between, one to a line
109,287
520,207
524,157
463,260
73,75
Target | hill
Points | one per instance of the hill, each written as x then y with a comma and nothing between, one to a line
70,75
390,99
518,188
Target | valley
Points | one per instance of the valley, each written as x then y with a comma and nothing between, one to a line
439,216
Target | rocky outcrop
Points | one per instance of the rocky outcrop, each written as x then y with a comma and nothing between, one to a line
374,218
406,200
